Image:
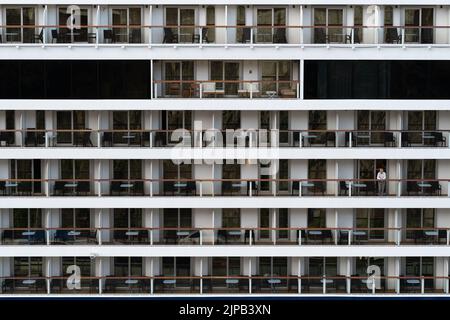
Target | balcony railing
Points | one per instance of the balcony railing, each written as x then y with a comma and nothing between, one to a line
221,35
222,138
243,284
226,89
225,187
226,236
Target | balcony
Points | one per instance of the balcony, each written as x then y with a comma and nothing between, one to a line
250,89
237,284
246,138
226,35
224,187
196,236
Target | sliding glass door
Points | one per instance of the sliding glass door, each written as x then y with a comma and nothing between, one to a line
176,171
128,267
417,21
371,124
421,266
328,24
75,169
26,169
421,169
362,263
21,21
231,73
127,120
126,219
275,75
418,123
127,22
72,33
173,120
179,76
322,266
273,266
224,267
28,267
317,170
66,121
176,220
129,170
87,268
228,72
75,218
419,218
371,221
231,119
317,120
368,169
26,219
270,22
182,21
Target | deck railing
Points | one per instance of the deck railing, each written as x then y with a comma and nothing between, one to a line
282,236
232,284
223,138
224,35
244,187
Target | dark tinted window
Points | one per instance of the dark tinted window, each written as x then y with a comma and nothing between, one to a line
377,79
75,79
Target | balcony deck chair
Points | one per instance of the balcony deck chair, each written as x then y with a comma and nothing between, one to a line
246,33
169,187
107,138
115,188
343,237
55,36
138,188
83,187
320,36
169,36
435,188
405,140
205,35
290,92
3,187
355,33
86,139
30,138
439,139
427,35
249,87
7,235
8,137
24,188
330,136
58,188
191,188
135,36
108,35
412,187
39,37
389,139
145,138
280,35
392,36
209,88
62,236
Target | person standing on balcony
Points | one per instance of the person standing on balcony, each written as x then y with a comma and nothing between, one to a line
381,179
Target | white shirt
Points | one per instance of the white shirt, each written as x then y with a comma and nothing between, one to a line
381,176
